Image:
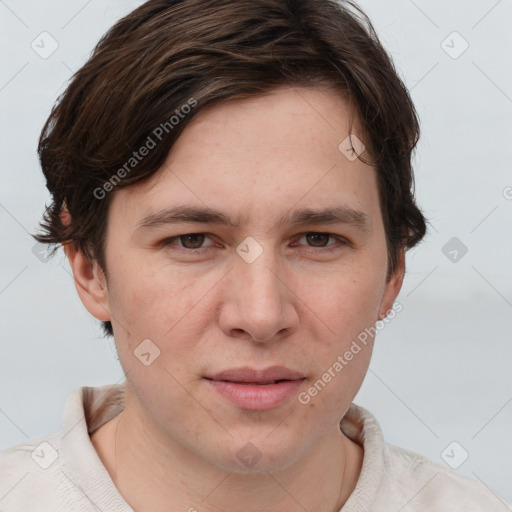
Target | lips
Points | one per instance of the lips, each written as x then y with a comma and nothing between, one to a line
256,390
247,375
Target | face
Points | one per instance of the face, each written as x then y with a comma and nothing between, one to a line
284,266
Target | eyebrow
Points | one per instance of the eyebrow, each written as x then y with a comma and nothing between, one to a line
205,215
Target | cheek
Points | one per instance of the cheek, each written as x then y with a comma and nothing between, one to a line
347,301
345,311
340,370
155,315
170,309
150,302
328,395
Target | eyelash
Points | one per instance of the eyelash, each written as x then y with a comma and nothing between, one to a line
327,249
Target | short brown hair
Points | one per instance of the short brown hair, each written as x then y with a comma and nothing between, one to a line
170,53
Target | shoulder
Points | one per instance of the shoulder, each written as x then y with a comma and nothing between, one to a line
427,485
37,453
61,471
33,476
393,478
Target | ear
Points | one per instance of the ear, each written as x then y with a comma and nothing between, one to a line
393,286
90,282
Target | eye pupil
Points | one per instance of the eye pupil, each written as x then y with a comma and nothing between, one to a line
193,236
316,235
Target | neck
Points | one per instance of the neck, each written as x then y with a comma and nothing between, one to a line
154,474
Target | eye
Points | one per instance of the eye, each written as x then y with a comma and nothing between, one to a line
320,241
190,242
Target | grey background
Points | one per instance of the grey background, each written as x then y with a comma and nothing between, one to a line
441,368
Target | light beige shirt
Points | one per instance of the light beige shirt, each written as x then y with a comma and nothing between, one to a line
62,472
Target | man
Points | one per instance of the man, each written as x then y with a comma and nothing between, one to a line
231,183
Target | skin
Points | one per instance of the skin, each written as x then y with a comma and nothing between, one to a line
175,445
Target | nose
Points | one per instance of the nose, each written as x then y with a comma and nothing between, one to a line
258,304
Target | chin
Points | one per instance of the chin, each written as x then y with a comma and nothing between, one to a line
260,457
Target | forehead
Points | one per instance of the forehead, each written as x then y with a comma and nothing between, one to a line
261,156
284,118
